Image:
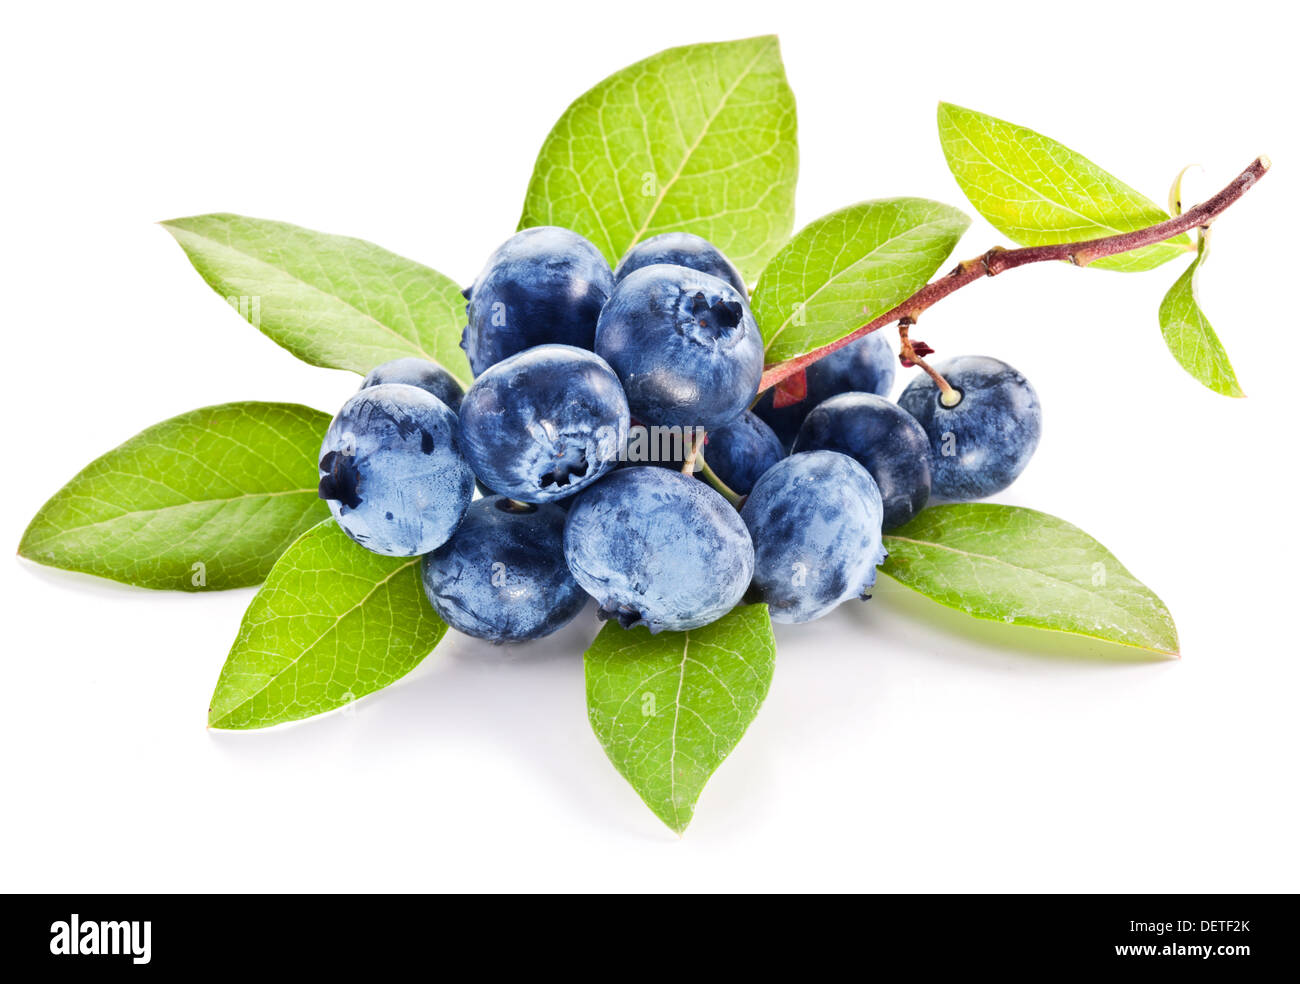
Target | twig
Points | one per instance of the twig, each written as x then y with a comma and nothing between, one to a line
998,260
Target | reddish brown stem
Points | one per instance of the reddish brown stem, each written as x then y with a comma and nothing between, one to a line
998,260
907,353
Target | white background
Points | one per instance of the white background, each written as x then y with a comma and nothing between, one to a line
902,747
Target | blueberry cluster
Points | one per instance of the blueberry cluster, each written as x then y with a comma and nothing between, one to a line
570,359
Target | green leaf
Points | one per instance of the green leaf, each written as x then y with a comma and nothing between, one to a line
1039,192
844,269
332,623
697,139
332,301
1024,567
1190,338
669,708
208,499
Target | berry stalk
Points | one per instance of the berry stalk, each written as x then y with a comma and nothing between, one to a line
909,356
998,260
721,487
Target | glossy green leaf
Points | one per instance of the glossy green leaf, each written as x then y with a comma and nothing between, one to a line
844,269
1024,567
669,708
697,139
205,500
332,623
330,300
1039,192
1190,337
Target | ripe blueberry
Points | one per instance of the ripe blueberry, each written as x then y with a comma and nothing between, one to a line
681,249
980,445
864,366
684,344
502,575
815,521
392,472
884,439
544,423
542,285
658,548
428,376
741,451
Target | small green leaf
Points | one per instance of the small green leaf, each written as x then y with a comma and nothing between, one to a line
205,500
1027,568
332,623
696,139
669,708
1039,192
1190,338
332,301
844,269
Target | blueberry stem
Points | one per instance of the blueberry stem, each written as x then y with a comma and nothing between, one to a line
998,260
710,476
908,356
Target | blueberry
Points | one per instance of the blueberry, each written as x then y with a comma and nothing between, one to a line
428,376
502,576
543,424
815,521
684,344
884,439
392,471
542,285
981,445
741,451
864,366
681,249
658,548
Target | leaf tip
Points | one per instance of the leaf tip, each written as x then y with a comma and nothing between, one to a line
27,548
220,710
1171,648
675,822
172,227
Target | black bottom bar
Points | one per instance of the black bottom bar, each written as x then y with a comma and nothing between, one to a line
301,934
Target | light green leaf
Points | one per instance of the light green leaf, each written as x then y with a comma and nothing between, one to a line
332,301
696,139
669,708
844,269
1024,567
1039,192
332,623
1190,338
208,499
